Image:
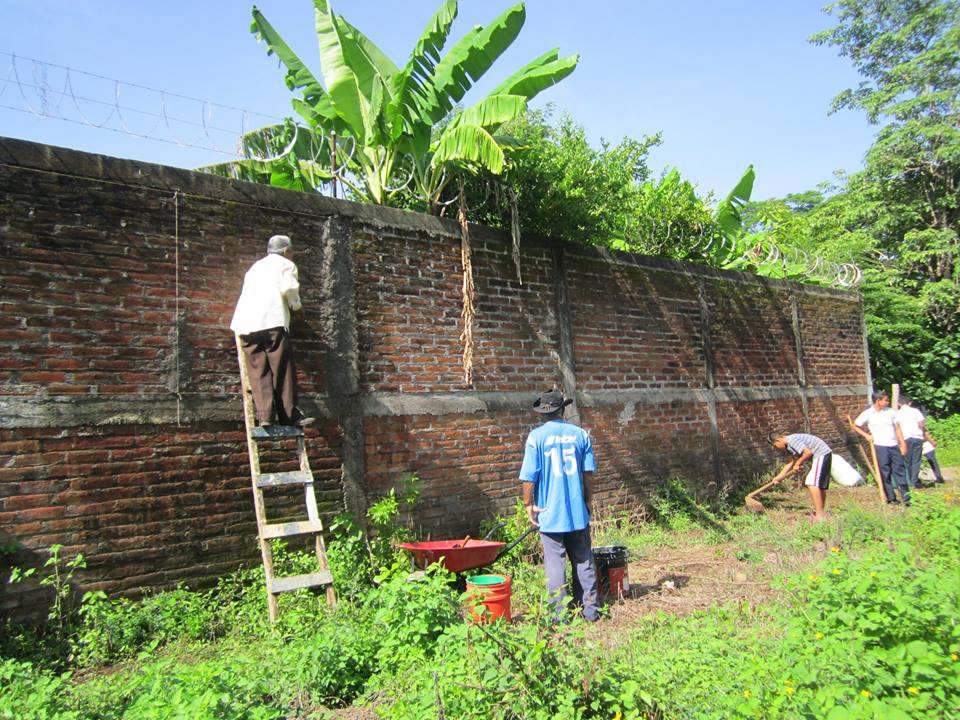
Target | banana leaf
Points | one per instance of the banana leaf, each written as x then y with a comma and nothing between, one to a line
492,111
342,83
468,60
538,75
298,74
469,146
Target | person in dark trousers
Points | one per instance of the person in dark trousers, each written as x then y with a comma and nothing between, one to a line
804,447
930,453
889,444
913,428
271,289
557,476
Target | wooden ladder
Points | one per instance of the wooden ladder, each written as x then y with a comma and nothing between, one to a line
267,531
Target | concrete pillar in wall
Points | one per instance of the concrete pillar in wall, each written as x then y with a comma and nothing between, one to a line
338,319
710,368
568,372
801,370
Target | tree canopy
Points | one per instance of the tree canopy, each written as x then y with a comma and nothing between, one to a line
899,217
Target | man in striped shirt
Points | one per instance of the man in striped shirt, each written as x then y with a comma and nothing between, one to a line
804,447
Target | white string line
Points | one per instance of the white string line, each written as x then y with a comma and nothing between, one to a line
176,266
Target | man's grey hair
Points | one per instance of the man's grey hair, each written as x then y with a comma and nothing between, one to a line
278,244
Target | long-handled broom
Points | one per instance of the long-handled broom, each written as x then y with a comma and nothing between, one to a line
754,505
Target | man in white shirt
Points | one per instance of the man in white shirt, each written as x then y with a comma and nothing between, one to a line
888,443
271,289
912,426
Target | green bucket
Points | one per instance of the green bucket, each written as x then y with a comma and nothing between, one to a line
482,580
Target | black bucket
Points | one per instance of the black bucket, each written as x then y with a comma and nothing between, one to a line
611,562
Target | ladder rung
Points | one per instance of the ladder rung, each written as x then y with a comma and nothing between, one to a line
301,527
297,582
275,431
296,477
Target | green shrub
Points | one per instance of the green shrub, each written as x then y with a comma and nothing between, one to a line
409,614
533,671
331,666
118,629
678,510
27,693
357,555
874,635
235,687
947,434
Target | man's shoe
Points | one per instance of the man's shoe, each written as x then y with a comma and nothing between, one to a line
300,420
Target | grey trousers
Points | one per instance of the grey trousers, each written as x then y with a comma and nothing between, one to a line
576,545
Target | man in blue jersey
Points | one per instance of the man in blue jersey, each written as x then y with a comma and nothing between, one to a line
557,475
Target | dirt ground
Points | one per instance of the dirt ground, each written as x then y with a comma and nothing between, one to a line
690,578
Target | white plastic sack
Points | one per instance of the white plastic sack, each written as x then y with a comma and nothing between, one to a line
841,472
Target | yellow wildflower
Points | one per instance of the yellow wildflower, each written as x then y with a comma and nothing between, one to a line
834,549
865,693
617,715
913,690
790,690
836,571
818,636
747,693
954,657
813,578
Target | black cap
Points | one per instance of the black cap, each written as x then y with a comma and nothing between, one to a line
550,401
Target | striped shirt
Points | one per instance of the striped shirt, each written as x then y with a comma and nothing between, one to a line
799,442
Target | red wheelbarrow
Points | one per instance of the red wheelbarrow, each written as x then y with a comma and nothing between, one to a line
460,555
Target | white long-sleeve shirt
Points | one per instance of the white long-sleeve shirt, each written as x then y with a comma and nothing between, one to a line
271,289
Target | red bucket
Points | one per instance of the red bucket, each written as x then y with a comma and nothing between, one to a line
492,592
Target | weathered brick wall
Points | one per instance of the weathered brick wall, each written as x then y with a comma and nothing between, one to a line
120,422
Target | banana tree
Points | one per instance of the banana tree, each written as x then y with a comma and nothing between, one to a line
380,128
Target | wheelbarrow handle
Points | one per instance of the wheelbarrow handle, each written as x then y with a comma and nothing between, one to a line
516,542
494,529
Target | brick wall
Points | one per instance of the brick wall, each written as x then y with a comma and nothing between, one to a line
120,421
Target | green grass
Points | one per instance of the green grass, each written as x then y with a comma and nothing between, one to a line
861,624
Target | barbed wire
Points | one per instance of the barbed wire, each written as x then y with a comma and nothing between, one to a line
59,92
762,251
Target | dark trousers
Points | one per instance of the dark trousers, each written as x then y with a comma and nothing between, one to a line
892,472
273,379
934,465
912,460
556,548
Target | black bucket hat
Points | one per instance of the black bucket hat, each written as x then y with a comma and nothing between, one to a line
550,401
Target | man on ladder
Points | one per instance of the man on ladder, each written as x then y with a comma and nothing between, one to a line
271,289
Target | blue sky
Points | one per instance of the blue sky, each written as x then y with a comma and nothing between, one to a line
727,84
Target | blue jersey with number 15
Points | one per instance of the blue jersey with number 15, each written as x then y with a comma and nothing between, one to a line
555,456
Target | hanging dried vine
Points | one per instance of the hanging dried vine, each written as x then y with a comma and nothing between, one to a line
468,290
